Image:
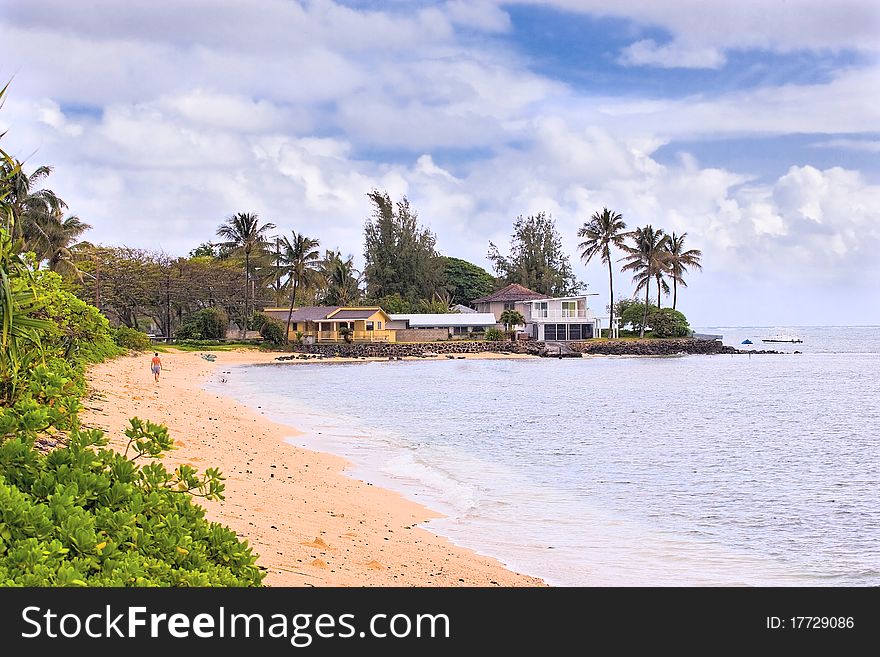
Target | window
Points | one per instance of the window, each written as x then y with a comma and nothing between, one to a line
569,308
574,332
540,309
379,325
369,326
587,331
550,331
509,305
293,326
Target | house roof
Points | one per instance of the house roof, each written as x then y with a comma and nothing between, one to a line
461,308
307,314
354,313
512,292
422,320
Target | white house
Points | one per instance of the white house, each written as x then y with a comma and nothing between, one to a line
547,318
439,325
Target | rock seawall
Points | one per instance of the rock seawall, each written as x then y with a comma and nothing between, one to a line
659,347
591,347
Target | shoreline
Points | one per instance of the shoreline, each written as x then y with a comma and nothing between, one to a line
310,522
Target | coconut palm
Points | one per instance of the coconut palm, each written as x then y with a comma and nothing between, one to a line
679,260
646,256
57,243
244,235
341,279
33,210
299,259
604,230
511,318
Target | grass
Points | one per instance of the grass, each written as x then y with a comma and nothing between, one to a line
225,346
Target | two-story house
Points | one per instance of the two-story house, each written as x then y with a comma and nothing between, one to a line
546,318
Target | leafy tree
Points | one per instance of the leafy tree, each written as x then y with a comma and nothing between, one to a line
634,315
604,230
299,261
668,323
536,259
680,259
465,281
129,338
401,257
205,250
393,303
33,209
244,236
59,242
272,332
646,256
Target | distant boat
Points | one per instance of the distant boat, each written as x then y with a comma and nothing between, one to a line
746,341
782,337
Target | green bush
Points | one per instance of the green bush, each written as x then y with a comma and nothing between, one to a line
83,515
204,324
273,331
257,321
494,335
129,338
668,323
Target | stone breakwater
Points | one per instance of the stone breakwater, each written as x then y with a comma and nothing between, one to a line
593,347
401,349
658,347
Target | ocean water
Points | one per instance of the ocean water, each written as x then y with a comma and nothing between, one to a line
693,470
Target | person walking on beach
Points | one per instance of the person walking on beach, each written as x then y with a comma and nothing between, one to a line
156,366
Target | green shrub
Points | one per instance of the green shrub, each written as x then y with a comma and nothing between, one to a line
83,515
257,321
204,324
494,335
668,323
129,338
273,331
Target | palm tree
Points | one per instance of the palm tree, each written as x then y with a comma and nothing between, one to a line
341,279
57,245
511,318
646,257
244,234
601,232
33,211
679,261
299,260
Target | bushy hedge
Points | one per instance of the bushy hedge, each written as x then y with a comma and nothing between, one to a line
204,324
494,335
129,338
273,331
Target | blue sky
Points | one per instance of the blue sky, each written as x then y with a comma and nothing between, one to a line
752,126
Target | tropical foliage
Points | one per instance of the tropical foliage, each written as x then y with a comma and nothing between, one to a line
465,281
400,256
679,259
244,236
536,258
603,231
647,259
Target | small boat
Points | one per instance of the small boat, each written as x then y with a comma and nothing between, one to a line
782,337
746,341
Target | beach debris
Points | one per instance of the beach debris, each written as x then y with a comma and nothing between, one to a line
317,543
375,565
319,563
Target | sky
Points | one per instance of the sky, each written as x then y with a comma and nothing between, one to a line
752,126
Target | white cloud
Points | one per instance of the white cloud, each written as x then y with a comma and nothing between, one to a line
671,55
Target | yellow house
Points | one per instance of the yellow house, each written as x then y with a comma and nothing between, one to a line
331,323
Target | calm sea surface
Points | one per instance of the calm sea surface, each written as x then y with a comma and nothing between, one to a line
697,470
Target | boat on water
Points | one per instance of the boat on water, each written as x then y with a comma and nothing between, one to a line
746,341
782,337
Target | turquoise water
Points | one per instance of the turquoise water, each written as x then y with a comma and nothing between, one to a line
698,470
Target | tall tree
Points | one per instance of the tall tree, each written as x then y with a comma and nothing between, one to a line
244,235
680,259
401,258
59,243
645,257
465,281
536,259
604,230
300,260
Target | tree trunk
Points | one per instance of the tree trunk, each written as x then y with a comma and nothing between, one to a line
659,289
247,284
290,312
645,314
611,306
674,291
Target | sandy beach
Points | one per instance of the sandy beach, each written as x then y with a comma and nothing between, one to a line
311,524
